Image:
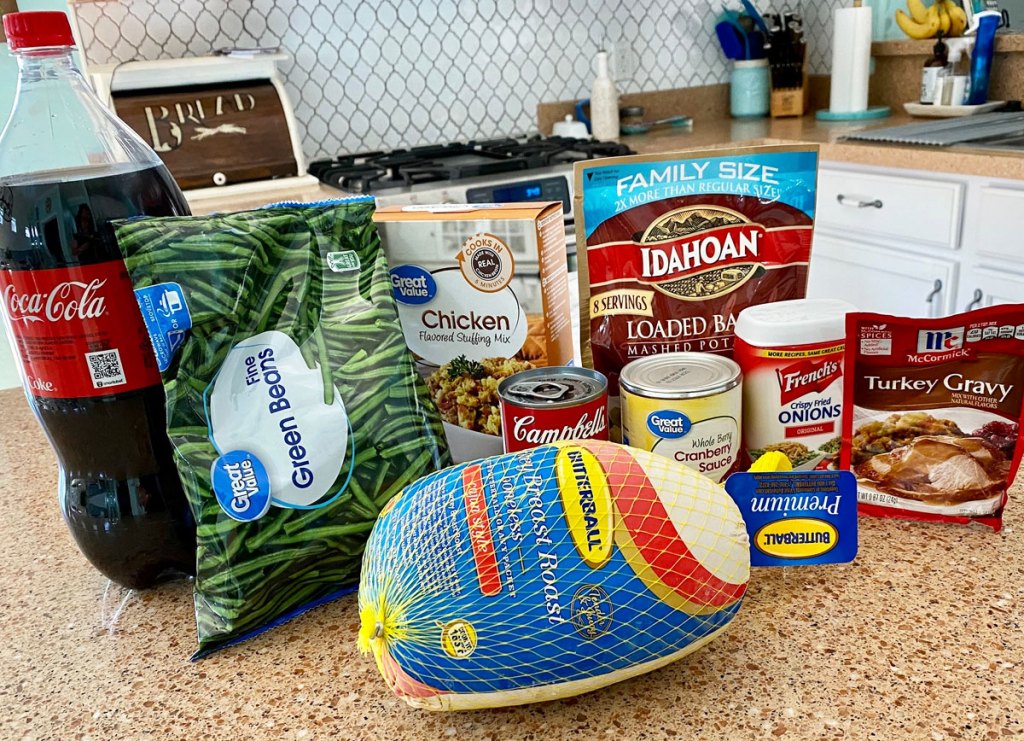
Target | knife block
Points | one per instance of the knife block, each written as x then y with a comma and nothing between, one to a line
790,101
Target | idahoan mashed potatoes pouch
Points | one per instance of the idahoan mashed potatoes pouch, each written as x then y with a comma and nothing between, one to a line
547,573
673,247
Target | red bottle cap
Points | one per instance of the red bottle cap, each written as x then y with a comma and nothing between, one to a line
37,28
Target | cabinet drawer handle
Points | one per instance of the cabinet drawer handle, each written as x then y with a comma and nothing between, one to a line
857,203
934,310
976,299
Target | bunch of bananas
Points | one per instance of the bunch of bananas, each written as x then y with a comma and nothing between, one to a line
943,17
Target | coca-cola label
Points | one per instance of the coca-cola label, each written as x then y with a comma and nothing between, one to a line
524,428
77,331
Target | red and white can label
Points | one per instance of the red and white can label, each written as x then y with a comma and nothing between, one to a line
77,331
523,427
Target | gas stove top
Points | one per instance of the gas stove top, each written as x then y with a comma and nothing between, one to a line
373,172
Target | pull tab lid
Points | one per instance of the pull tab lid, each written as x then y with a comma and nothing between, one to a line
540,390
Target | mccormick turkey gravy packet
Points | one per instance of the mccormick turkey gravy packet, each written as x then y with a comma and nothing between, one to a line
933,413
672,247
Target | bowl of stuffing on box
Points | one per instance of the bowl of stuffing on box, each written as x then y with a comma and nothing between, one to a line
466,394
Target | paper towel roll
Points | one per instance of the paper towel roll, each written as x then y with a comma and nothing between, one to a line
851,59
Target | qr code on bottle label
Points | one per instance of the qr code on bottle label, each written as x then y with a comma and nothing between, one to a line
105,368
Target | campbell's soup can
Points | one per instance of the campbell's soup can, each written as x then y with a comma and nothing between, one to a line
543,405
686,406
791,353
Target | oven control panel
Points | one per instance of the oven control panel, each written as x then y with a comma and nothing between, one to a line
543,189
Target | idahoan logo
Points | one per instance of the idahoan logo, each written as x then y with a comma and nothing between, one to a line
701,252
587,502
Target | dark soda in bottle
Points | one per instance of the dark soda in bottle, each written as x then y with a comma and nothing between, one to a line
67,168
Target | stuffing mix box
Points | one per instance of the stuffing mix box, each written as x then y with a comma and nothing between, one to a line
482,293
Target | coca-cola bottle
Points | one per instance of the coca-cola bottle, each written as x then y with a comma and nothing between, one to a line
68,167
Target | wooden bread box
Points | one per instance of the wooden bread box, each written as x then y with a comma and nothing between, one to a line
217,122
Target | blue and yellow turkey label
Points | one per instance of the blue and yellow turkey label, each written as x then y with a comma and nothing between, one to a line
547,572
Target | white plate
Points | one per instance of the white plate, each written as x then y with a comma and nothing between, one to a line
469,445
950,111
812,463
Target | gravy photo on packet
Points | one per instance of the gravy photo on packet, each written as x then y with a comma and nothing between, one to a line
934,410
672,247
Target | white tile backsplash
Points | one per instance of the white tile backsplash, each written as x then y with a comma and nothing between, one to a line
397,73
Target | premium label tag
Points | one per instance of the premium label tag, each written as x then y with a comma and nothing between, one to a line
798,518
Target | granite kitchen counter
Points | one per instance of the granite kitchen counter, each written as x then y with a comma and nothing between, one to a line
922,637
722,132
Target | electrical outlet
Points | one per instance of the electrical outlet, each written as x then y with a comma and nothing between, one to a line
623,60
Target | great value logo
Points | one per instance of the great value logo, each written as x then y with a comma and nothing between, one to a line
67,301
241,485
668,424
413,285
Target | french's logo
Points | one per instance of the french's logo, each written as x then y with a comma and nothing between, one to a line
808,376
587,503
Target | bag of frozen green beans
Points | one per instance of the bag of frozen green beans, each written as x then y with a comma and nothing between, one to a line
293,404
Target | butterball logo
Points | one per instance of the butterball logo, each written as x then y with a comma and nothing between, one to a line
586,503
668,424
413,285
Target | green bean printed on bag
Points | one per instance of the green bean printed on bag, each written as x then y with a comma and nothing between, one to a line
293,404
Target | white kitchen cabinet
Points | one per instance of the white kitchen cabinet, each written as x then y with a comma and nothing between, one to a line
881,279
986,287
883,237
912,210
996,225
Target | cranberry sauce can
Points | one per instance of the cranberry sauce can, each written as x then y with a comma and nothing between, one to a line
543,405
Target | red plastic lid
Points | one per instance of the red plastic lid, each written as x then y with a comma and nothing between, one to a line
37,28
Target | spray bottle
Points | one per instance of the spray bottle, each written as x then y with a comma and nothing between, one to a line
984,17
